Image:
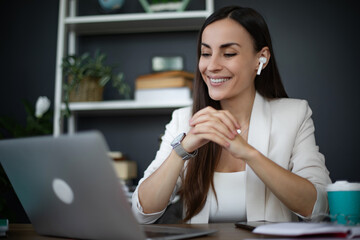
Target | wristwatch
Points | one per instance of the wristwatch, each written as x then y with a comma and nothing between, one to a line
176,144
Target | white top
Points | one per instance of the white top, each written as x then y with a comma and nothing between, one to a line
231,202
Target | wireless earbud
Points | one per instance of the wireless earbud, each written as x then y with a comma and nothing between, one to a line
262,61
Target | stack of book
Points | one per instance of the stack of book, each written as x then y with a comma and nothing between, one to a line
164,86
126,171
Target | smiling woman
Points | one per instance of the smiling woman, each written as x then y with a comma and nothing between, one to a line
229,62
249,150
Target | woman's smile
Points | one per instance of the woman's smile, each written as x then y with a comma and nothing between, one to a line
218,80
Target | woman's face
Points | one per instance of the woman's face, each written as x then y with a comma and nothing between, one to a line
228,61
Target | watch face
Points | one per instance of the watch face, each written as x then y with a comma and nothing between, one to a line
178,139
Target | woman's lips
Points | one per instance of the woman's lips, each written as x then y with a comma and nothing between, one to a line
218,80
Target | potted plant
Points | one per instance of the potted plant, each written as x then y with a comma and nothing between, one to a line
151,6
38,122
86,77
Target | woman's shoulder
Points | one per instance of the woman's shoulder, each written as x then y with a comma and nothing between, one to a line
184,112
180,119
291,103
289,106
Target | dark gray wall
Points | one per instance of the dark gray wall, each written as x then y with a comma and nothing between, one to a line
313,46
316,46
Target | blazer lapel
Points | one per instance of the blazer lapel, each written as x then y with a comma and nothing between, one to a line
259,136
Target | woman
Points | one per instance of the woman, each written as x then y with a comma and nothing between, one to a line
244,151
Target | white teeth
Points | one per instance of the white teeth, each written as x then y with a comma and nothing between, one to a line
219,80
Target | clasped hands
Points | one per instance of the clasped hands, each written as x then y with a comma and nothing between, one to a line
218,126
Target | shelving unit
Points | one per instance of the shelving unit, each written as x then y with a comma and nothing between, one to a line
121,107
70,26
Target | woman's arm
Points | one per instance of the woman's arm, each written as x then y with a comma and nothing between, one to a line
161,179
298,183
297,193
155,191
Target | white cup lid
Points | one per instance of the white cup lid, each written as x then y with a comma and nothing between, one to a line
343,186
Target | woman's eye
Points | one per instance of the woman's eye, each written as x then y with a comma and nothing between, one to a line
228,55
205,54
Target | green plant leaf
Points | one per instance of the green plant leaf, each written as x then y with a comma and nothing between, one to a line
76,68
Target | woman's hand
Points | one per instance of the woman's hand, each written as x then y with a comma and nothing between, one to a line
209,124
218,126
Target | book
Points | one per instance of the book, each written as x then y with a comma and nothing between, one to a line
125,169
116,155
167,74
163,94
165,83
296,229
169,79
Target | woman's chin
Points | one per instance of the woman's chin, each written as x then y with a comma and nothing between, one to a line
216,97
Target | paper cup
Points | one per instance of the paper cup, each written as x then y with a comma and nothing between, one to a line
344,202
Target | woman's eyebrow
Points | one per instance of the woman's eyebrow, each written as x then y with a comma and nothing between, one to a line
225,45
205,45
229,45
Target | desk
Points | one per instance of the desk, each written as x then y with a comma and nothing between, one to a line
226,231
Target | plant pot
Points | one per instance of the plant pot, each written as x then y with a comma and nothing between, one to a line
88,90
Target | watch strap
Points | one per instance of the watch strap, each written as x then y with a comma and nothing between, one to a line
184,154
176,144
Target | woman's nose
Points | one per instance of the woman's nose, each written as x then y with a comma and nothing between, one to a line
214,64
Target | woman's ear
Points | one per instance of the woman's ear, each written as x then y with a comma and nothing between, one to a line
264,57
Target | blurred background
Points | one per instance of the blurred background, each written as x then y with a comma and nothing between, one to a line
316,45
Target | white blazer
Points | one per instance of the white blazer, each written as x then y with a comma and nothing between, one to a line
283,131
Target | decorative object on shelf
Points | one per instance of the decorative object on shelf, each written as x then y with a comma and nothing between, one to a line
167,63
38,121
164,5
86,78
109,6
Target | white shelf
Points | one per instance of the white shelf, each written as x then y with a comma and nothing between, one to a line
120,105
136,22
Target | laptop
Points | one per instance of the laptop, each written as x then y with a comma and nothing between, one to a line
69,188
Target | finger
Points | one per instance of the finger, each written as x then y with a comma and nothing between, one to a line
214,138
233,119
214,123
229,120
211,110
202,112
215,129
218,117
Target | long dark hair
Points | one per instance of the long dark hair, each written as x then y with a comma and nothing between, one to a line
200,170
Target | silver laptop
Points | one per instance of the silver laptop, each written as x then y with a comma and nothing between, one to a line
68,188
